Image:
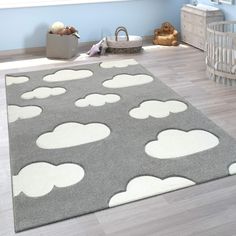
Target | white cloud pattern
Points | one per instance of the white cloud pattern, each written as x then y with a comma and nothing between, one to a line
38,179
73,134
67,75
19,113
43,92
118,64
147,186
97,100
232,169
157,109
16,80
175,143
125,80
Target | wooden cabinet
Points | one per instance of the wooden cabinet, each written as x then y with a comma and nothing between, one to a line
194,20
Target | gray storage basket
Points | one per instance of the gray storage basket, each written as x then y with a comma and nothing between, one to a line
124,44
61,47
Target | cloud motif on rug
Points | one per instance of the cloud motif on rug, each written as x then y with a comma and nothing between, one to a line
73,134
157,109
147,186
97,100
232,169
16,80
43,92
19,113
38,179
67,75
175,143
118,64
125,80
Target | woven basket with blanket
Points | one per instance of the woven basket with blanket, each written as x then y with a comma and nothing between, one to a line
124,44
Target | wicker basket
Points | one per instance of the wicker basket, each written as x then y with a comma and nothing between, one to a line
124,44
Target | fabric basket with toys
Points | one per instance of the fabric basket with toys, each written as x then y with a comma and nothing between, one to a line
62,41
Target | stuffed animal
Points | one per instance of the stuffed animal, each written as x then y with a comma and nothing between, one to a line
57,27
167,35
67,30
99,48
72,29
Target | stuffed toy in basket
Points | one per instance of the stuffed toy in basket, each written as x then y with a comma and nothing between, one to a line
124,44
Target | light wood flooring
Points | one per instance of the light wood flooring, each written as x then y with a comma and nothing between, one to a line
206,209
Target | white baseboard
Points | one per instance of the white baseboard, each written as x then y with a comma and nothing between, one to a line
22,51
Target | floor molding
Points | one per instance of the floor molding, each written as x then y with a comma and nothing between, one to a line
83,46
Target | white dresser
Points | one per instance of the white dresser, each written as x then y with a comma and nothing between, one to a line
194,20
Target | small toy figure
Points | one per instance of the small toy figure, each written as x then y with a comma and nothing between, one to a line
99,48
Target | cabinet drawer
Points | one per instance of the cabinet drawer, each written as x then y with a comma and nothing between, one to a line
199,31
194,40
192,18
187,26
186,16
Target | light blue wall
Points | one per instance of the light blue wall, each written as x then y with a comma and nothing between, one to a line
26,27
229,10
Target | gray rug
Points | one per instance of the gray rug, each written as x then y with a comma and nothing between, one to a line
90,137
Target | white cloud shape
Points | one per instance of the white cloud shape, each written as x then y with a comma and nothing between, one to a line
157,109
38,179
97,100
125,80
232,169
73,134
118,64
16,80
175,143
66,75
19,113
43,92
147,186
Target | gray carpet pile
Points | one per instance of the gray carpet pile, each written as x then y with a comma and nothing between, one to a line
95,136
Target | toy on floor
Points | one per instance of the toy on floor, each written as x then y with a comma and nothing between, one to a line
99,48
167,35
59,28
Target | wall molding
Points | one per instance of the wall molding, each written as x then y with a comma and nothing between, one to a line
40,3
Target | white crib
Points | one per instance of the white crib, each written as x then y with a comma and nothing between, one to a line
221,52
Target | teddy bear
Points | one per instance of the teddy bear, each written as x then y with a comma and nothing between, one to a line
167,35
67,30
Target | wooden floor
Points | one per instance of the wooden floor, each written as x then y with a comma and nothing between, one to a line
206,209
